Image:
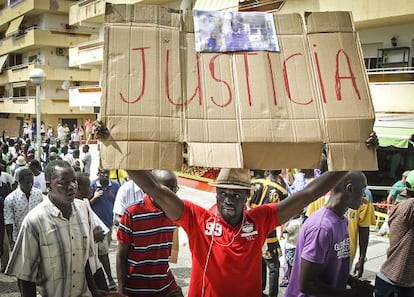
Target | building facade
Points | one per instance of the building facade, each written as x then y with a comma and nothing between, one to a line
37,34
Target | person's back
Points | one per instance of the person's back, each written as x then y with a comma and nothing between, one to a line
396,275
86,159
269,190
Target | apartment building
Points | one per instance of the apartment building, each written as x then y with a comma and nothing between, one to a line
37,34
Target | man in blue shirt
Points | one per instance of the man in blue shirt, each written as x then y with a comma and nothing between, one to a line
102,203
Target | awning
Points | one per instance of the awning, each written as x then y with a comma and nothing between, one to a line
229,5
3,60
394,130
14,26
19,84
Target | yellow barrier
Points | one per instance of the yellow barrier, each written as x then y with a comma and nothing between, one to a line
380,218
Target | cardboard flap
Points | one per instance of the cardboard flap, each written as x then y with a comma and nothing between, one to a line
289,24
355,156
329,21
228,155
282,155
141,155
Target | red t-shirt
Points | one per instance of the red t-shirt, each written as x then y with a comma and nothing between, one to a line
233,254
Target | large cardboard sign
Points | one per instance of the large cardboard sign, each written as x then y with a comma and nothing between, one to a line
244,109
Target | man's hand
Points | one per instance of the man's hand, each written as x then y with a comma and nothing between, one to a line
98,234
359,268
372,140
361,288
98,193
101,131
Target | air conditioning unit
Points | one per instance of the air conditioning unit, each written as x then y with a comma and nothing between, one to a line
60,51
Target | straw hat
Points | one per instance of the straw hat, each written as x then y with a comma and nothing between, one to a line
20,161
233,178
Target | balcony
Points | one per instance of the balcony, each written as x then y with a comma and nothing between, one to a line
21,73
34,38
86,54
85,96
18,105
393,97
89,11
32,7
93,11
366,14
27,105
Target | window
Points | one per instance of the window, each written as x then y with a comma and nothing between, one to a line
370,63
19,92
2,92
14,60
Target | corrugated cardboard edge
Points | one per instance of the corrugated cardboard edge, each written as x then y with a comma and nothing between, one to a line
329,21
141,154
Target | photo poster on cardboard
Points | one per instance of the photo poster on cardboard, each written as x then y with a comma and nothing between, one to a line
225,31
251,109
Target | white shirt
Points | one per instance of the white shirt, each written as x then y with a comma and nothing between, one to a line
87,161
39,182
128,194
6,178
68,158
17,205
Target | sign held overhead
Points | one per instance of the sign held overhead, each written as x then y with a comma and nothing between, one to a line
253,109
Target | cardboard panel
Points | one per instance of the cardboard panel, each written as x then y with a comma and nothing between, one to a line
210,154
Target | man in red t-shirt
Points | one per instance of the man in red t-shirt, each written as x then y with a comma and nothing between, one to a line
227,245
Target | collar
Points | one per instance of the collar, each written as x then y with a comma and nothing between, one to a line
54,210
98,183
20,192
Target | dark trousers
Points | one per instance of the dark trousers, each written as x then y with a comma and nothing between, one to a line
384,289
273,265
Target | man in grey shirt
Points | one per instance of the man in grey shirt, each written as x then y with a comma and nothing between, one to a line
86,159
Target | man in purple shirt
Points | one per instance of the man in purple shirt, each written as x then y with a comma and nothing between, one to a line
322,259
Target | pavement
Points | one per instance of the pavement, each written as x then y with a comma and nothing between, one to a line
376,253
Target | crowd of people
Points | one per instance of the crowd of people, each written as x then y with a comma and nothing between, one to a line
62,134
59,232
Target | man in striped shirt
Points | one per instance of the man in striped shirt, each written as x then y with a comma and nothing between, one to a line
145,238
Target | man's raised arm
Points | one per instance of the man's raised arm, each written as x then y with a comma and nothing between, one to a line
166,199
294,204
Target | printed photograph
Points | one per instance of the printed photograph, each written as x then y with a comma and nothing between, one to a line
221,31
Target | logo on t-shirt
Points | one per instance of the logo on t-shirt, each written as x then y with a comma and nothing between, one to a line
343,248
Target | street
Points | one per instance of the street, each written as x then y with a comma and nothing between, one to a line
182,269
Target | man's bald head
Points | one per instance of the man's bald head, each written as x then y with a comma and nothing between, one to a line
167,178
351,189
